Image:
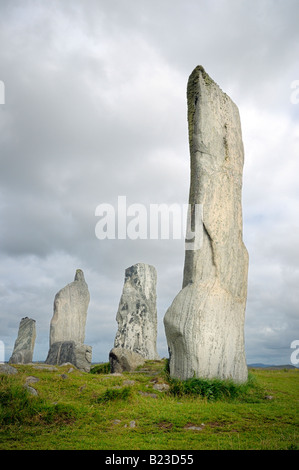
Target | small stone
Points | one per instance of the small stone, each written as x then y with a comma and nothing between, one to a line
45,367
145,394
31,379
128,382
31,390
132,424
7,369
64,376
116,421
161,387
193,427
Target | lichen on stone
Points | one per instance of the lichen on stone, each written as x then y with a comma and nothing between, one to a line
193,95
192,99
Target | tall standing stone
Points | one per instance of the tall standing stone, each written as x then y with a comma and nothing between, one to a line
70,311
24,345
67,327
137,312
205,323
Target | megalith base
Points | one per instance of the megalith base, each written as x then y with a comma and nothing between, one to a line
69,351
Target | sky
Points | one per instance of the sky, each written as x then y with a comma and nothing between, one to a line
95,108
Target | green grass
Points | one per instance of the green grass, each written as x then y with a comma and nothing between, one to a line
101,368
111,394
94,411
214,389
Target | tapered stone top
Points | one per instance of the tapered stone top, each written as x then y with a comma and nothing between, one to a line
70,311
205,323
217,158
137,312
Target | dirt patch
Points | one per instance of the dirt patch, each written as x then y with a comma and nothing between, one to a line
215,424
165,426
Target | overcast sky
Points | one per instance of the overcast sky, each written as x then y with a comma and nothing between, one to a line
95,108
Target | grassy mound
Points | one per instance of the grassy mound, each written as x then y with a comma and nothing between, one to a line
77,410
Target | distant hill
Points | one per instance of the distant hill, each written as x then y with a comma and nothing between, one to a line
271,366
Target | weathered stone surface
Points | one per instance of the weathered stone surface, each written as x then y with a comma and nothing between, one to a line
6,369
69,351
24,345
205,323
31,379
124,360
147,394
45,367
31,390
137,312
161,387
67,328
70,311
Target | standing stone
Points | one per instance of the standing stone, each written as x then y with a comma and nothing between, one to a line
137,312
70,311
67,328
24,345
205,323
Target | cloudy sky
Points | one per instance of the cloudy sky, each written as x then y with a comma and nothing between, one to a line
95,108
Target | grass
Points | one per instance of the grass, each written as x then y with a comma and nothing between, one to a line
17,406
214,389
76,410
111,394
101,368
